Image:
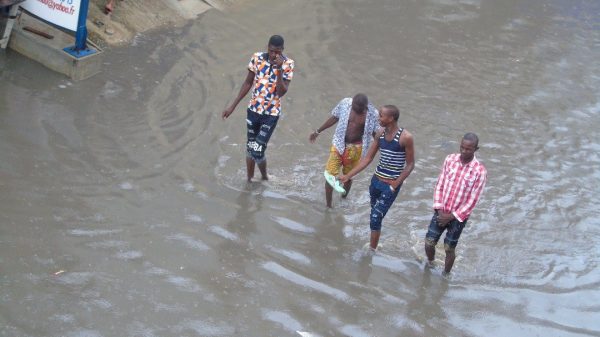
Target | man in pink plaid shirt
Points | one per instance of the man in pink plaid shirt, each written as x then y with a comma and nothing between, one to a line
457,191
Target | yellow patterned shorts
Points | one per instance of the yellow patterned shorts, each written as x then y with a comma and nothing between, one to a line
346,161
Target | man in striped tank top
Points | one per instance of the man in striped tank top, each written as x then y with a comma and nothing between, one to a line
457,191
396,162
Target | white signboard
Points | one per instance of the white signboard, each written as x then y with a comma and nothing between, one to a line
64,13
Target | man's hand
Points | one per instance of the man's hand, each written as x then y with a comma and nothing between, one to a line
444,218
344,178
226,113
313,136
278,62
393,184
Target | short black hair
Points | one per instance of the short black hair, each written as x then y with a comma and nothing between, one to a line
276,41
470,136
361,99
393,110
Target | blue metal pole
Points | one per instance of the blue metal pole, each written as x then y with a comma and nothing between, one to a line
80,49
81,34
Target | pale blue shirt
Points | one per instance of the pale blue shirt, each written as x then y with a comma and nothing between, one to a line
342,112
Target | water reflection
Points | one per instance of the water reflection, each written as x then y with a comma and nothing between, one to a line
365,268
430,302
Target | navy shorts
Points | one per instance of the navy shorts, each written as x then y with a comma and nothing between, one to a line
382,198
453,230
260,129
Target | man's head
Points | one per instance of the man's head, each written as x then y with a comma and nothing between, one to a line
360,102
468,145
275,47
388,115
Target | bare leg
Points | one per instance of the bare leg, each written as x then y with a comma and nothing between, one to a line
347,187
375,239
263,169
328,194
450,256
430,251
250,168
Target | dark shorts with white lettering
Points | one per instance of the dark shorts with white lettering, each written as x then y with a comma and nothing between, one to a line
260,129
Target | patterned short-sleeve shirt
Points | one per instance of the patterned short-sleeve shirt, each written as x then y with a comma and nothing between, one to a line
265,100
342,112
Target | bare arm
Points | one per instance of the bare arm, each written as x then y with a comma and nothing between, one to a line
364,162
406,140
326,125
281,86
246,86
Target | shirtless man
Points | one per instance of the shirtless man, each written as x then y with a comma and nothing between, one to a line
358,122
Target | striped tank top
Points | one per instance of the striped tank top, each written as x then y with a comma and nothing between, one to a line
392,157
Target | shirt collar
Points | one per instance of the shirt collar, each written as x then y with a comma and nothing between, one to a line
473,161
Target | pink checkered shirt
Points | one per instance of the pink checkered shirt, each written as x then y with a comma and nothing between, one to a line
459,186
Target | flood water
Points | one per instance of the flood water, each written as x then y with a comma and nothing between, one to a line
124,209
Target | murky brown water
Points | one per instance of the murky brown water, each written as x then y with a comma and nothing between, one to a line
131,183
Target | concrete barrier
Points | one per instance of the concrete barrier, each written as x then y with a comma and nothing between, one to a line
44,43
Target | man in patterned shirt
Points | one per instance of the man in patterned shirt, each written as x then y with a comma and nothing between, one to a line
353,135
269,73
457,191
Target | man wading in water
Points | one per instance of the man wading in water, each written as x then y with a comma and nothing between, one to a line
352,138
269,73
457,191
396,162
